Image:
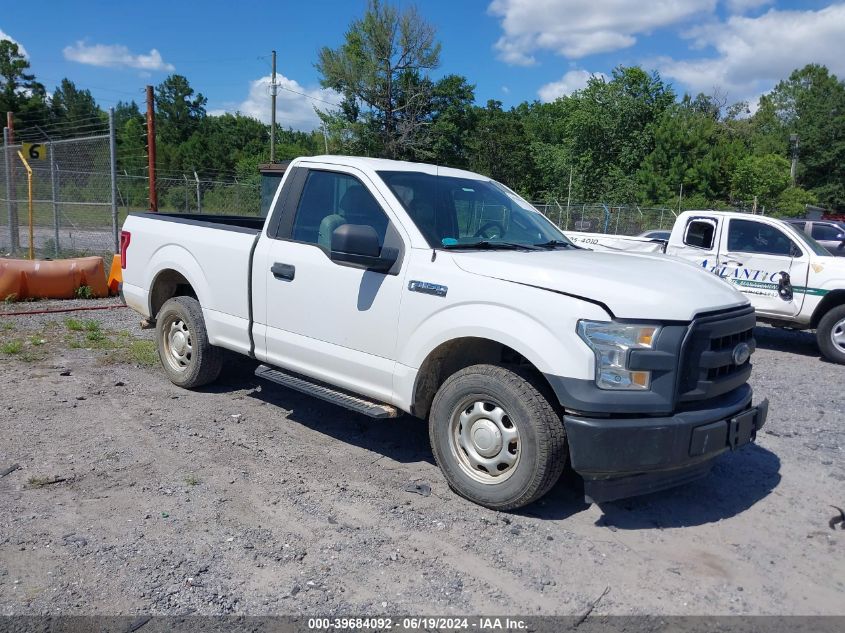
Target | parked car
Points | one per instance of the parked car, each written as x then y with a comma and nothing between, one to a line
791,280
829,234
389,287
656,235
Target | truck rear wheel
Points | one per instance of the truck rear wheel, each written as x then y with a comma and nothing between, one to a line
497,439
189,360
830,335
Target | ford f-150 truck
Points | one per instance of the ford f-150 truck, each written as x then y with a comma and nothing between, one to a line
791,280
390,287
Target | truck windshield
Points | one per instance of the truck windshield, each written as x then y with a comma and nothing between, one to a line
812,244
466,212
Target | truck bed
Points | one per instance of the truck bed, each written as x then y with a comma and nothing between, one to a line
240,223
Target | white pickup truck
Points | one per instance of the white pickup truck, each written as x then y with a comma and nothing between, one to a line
791,280
389,287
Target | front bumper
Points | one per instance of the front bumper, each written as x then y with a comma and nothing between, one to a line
625,457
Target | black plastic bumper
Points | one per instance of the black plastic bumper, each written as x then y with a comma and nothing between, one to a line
625,457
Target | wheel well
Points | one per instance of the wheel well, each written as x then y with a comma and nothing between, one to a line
454,355
168,284
831,300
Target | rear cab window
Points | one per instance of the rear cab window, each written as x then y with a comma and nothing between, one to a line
700,233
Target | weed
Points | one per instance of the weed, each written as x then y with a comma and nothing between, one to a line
10,298
37,340
84,292
7,326
95,336
38,482
11,347
74,325
192,480
144,353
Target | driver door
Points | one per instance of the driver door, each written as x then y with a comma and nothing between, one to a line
761,261
328,319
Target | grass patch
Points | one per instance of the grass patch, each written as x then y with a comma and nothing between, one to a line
36,340
74,325
143,353
7,326
95,336
192,480
11,347
91,325
84,292
11,298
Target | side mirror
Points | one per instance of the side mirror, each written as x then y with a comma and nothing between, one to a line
357,245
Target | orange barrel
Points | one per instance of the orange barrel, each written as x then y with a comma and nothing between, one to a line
44,279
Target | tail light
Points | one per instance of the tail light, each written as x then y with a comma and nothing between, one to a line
125,238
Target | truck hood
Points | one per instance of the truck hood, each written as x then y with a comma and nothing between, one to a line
632,286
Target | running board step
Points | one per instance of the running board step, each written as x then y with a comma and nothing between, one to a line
324,392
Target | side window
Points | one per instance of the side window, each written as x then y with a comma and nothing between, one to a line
827,232
331,199
750,236
700,233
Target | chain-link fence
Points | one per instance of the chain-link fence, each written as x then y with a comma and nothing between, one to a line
603,218
71,207
189,194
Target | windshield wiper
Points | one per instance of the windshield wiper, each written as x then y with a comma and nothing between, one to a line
487,244
554,243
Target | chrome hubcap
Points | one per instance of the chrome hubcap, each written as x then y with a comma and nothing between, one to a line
837,335
485,441
178,350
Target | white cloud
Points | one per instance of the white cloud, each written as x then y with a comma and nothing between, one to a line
566,85
115,56
577,28
741,6
754,53
6,36
294,103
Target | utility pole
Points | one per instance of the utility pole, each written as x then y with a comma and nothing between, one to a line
151,147
793,170
274,90
12,187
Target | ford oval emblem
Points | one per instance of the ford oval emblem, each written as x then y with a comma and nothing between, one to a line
741,353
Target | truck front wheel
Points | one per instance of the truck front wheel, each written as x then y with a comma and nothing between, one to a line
830,335
187,357
497,439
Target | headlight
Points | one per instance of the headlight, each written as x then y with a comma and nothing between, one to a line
611,342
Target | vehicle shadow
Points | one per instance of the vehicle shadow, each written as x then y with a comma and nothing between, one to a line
782,340
403,439
736,483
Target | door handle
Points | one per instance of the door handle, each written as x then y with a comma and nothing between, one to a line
283,271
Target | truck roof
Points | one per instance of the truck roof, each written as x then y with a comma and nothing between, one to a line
384,164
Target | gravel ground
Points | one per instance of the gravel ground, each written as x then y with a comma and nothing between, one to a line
134,496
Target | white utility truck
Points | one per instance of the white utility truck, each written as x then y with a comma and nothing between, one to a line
791,280
390,287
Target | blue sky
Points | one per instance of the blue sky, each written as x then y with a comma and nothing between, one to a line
512,50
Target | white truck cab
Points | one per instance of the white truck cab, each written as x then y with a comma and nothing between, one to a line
791,280
390,287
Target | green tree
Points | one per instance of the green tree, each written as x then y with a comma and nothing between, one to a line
179,110
382,67
811,104
75,109
764,177
19,91
691,148
498,147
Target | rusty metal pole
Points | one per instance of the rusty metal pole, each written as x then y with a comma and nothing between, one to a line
151,147
14,222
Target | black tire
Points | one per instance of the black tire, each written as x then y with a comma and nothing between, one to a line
200,362
832,323
541,446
